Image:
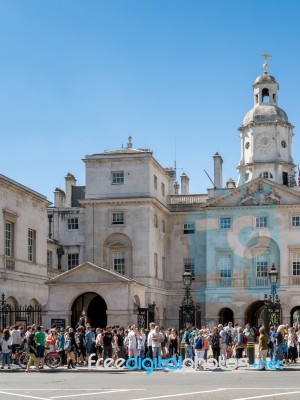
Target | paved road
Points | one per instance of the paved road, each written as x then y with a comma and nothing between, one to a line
126,385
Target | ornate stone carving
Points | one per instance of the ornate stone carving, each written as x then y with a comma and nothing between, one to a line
260,196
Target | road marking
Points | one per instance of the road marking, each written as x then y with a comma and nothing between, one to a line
265,395
108,391
24,395
180,394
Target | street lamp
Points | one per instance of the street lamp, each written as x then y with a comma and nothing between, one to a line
187,308
272,307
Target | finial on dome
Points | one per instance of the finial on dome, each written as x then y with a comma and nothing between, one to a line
266,56
129,144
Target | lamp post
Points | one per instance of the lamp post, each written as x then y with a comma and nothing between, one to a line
187,308
272,306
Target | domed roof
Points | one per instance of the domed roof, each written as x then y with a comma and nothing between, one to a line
265,78
265,113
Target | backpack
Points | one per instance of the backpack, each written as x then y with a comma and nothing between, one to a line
244,340
198,343
187,338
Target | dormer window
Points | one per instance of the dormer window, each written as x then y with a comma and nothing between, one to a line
265,95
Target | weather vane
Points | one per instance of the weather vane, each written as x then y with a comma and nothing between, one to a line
266,56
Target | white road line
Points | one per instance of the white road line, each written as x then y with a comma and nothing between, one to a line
88,394
179,394
266,395
24,395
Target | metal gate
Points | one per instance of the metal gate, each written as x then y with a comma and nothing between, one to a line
145,316
19,315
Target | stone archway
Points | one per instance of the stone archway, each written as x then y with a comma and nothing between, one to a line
254,313
226,315
295,316
91,306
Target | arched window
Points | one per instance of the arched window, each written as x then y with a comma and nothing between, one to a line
265,95
266,175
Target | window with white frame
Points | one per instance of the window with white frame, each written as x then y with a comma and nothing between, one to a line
262,261
9,239
225,223
31,241
189,265
188,228
296,221
296,263
117,177
119,262
73,224
118,218
266,175
49,259
163,189
261,222
225,265
73,260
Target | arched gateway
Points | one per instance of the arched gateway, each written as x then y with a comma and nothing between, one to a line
254,313
93,307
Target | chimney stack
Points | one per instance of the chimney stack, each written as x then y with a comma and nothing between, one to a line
70,182
185,184
218,161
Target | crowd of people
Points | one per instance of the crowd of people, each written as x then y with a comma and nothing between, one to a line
76,344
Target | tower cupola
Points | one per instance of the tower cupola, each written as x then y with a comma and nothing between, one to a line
266,135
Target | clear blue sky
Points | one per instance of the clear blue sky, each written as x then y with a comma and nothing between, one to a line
79,77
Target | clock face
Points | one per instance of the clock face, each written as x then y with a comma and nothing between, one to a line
264,144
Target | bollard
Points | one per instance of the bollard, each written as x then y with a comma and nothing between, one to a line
251,352
182,350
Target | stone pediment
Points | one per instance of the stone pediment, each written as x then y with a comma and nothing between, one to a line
258,192
89,273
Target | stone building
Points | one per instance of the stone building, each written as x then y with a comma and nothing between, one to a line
23,250
124,239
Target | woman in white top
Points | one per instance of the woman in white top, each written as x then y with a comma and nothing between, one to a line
6,343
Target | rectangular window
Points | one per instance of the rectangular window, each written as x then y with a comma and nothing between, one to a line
225,265
31,245
155,221
155,264
155,182
119,262
163,189
118,218
296,220
225,223
261,222
73,260
163,266
262,266
117,177
296,264
73,224
188,228
189,265
49,259
8,239
163,226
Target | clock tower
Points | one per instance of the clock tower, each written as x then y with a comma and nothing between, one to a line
266,136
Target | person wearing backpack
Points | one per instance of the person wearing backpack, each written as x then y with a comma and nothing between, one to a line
239,345
198,348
